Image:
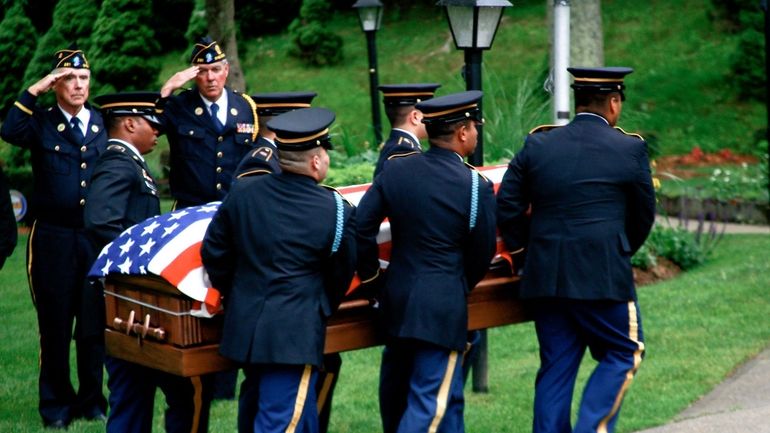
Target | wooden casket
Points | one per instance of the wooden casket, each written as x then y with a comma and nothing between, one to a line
148,322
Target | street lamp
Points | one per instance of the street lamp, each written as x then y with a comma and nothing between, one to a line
473,24
370,16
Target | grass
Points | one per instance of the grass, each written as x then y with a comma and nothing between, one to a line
699,327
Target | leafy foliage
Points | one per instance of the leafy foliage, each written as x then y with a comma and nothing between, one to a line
198,26
313,43
17,42
123,40
72,22
261,17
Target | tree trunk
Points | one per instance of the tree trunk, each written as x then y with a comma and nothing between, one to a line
221,17
587,36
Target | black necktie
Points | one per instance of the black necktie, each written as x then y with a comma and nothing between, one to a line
76,131
217,124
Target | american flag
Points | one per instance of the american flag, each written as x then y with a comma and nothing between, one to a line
169,246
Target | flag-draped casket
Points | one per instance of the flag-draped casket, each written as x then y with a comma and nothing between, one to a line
161,310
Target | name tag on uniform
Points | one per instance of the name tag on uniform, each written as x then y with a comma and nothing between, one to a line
244,128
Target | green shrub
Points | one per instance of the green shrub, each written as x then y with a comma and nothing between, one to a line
123,42
17,42
197,26
645,258
682,247
261,17
313,43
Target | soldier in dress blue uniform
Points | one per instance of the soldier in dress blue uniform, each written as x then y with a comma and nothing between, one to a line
210,128
406,124
442,220
65,140
295,244
264,158
124,193
592,206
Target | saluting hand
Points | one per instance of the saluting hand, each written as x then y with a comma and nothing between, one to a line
177,80
47,83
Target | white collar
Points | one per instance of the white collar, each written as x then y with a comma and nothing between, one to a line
221,101
83,114
129,146
593,114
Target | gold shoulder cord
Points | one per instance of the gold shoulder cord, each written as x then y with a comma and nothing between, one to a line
633,134
253,106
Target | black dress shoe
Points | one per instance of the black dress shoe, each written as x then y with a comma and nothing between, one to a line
94,415
59,424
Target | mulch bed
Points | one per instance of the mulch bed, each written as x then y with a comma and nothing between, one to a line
664,269
684,166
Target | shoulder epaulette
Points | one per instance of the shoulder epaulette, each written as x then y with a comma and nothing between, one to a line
116,147
333,189
633,134
401,155
472,167
253,106
544,128
265,152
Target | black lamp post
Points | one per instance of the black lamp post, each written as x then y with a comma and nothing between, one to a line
370,15
474,24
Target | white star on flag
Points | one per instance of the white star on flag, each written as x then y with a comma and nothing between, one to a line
209,208
177,215
126,246
106,268
150,228
147,247
170,229
125,266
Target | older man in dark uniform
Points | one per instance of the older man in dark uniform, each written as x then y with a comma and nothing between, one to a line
65,141
123,193
442,220
592,206
210,128
289,276
406,124
263,158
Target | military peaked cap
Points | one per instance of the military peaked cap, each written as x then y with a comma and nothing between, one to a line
302,129
600,80
451,108
130,104
407,94
273,104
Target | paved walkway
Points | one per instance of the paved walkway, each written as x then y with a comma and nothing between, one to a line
729,227
740,404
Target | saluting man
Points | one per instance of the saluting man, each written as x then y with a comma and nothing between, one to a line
65,140
281,250
263,159
406,124
442,221
592,206
210,128
124,193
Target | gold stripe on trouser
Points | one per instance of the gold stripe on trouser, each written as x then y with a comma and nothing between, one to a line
29,263
327,385
173,206
633,334
442,399
299,404
197,402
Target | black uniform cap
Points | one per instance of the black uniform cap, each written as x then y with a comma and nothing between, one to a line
451,108
599,80
407,94
206,51
273,104
71,57
302,129
130,104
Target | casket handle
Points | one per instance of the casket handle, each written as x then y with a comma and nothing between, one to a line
143,330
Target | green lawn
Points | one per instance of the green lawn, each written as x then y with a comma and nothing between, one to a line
699,327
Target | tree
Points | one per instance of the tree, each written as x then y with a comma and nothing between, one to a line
586,35
72,22
221,26
124,43
17,42
313,43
